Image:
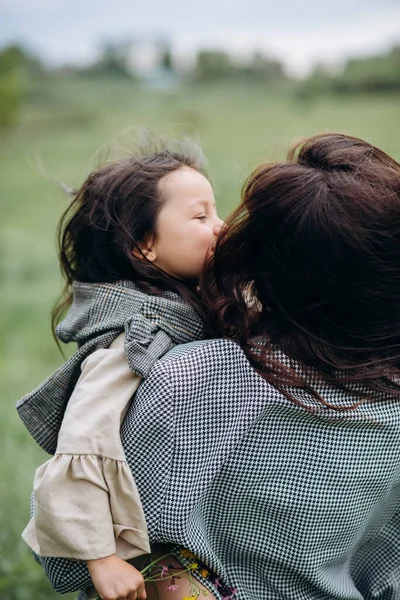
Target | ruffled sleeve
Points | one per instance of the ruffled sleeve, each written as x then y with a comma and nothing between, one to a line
86,504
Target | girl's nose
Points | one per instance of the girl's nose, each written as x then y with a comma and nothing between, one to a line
218,226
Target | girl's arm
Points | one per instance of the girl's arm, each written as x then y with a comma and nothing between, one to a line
113,578
86,505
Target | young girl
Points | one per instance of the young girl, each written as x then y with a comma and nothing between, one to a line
132,246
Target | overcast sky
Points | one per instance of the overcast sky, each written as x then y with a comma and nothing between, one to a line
299,32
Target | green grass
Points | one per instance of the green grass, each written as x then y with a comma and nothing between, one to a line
65,126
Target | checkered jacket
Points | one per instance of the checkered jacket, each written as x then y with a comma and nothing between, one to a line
99,313
282,502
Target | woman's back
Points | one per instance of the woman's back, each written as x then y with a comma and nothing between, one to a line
279,501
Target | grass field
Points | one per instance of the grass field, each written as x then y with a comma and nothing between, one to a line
60,131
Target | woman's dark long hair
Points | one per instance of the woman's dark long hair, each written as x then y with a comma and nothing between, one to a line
310,261
113,213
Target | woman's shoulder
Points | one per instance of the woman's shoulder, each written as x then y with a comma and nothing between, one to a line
214,364
205,354
221,364
202,347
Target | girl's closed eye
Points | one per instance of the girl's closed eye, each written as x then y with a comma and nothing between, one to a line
202,217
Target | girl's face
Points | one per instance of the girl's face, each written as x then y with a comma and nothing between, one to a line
186,226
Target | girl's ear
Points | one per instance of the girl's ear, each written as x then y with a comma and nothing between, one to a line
145,250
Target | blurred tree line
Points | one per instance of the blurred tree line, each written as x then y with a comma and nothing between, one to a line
362,75
118,59
216,65
17,69
21,72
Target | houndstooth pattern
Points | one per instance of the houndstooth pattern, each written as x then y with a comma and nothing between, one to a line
280,502
99,313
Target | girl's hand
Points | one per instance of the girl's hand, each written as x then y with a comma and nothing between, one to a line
115,579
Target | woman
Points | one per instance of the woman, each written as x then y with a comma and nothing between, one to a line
272,455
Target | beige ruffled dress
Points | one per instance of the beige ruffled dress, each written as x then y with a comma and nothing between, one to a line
86,504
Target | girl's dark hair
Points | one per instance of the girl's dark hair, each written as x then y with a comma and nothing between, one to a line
310,261
116,210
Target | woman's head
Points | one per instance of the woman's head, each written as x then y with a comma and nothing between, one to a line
317,241
149,217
